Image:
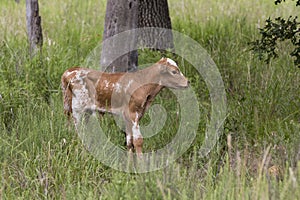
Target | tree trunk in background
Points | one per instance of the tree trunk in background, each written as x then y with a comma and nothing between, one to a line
17,1
34,28
121,15
155,13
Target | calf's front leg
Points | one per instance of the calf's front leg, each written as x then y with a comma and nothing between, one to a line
137,139
134,138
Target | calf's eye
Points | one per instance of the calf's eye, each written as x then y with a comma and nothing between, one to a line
174,72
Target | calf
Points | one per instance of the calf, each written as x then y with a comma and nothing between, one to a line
126,94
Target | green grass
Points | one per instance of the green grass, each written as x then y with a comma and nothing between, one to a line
42,159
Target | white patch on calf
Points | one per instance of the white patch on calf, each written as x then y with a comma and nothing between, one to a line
80,76
79,102
171,62
136,131
80,99
106,84
128,85
118,87
128,140
68,73
136,128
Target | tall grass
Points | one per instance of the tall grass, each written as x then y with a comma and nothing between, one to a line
257,156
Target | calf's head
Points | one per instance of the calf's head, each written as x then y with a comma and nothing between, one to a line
170,75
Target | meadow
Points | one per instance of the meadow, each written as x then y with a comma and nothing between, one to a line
257,155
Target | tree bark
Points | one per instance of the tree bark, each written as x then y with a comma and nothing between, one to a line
34,28
121,15
155,13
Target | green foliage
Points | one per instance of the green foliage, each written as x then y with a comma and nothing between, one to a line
19,81
279,1
278,31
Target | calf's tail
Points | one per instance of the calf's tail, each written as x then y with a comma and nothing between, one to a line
67,95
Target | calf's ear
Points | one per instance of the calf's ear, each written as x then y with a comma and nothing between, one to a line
162,69
162,59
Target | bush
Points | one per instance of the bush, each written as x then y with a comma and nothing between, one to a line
276,31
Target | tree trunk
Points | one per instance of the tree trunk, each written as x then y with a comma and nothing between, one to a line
121,15
155,13
34,28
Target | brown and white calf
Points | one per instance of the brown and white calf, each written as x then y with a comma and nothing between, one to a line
126,94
